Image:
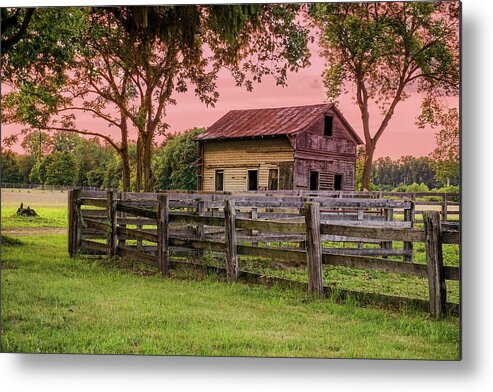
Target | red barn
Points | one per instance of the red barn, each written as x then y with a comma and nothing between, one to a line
304,147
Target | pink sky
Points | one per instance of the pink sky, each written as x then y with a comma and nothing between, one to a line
402,136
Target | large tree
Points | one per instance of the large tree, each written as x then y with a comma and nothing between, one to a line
387,51
132,60
14,24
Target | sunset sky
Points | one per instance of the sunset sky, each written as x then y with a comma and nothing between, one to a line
402,137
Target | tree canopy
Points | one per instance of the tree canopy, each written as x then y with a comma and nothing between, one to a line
385,50
125,64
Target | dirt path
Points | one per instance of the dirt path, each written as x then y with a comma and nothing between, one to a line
34,230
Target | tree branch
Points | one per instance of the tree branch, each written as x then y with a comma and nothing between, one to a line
83,132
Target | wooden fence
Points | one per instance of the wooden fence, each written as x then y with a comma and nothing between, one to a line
152,227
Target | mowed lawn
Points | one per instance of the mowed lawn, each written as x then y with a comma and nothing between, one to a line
54,304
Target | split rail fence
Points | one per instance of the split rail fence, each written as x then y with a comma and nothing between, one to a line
152,227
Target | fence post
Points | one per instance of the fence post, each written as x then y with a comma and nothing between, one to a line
112,218
200,226
313,248
232,269
74,222
254,216
123,197
162,233
408,217
445,207
389,217
434,262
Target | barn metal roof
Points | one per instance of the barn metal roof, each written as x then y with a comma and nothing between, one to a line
268,122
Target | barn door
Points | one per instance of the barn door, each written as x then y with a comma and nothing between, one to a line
314,180
338,182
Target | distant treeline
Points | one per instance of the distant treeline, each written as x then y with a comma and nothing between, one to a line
409,174
68,159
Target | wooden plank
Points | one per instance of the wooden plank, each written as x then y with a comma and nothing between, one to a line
145,204
162,234
141,212
451,273
270,226
126,251
434,262
132,234
380,233
367,251
98,247
313,248
93,213
450,237
372,263
285,254
232,268
93,194
211,246
373,223
94,224
137,221
93,202
175,217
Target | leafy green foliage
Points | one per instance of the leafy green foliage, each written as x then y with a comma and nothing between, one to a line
414,187
10,169
61,169
389,174
174,163
134,59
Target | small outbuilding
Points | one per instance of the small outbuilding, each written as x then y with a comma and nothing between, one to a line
304,147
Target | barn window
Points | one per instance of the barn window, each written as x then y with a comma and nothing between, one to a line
219,180
273,179
328,126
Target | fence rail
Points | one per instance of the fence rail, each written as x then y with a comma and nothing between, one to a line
159,225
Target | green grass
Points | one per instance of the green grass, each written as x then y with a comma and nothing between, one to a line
53,217
369,281
54,304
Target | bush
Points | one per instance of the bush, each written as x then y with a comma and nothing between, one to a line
414,187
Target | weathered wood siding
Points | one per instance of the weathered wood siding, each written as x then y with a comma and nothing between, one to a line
329,155
327,170
236,157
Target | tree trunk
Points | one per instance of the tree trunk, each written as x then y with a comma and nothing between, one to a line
146,162
138,180
370,149
125,169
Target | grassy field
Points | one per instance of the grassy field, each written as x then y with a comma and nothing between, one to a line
52,303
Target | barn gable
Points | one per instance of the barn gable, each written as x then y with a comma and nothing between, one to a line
287,121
